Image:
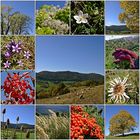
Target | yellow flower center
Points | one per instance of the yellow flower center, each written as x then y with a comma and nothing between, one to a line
119,89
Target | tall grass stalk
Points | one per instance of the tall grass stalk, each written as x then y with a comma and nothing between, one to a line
52,127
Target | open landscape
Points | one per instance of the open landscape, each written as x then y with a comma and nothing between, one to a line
70,73
69,87
117,30
128,136
17,122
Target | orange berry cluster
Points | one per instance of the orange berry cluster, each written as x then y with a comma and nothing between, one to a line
83,126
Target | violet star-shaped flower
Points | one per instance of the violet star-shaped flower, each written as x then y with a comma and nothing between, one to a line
20,63
7,64
27,54
7,54
16,48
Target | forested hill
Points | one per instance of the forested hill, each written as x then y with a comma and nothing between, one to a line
68,76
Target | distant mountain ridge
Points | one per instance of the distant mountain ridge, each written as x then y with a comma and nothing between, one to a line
12,125
117,28
129,38
68,76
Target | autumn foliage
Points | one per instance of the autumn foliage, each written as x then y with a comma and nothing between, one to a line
122,123
83,126
130,14
18,88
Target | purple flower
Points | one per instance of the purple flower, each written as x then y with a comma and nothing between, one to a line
20,63
16,48
27,54
8,46
7,64
7,54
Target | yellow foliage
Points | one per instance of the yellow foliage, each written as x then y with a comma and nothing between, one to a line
130,14
121,123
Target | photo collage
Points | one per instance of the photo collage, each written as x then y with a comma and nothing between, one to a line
69,69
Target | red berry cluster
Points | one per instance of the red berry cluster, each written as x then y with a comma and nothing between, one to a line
18,89
83,126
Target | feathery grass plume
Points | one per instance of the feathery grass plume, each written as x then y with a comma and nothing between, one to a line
52,126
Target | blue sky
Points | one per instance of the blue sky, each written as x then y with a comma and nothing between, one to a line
112,110
4,75
70,53
54,3
112,11
25,113
25,7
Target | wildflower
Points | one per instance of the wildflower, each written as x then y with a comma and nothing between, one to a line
7,54
7,64
121,54
16,48
20,63
81,18
27,54
118,90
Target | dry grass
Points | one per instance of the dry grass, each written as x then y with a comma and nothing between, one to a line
52,127
94,95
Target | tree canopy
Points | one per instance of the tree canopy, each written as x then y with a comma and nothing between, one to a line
14,22
130,15
122,123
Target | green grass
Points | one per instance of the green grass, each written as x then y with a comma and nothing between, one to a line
130,136
18,134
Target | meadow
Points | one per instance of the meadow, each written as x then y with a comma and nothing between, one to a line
70,90
16,126
17,134
128,136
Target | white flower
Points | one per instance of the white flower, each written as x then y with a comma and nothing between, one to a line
81,18
117,89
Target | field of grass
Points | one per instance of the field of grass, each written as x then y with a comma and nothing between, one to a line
130,136
18,134
78,95
52,126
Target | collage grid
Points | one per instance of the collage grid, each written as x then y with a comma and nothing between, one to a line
28,113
